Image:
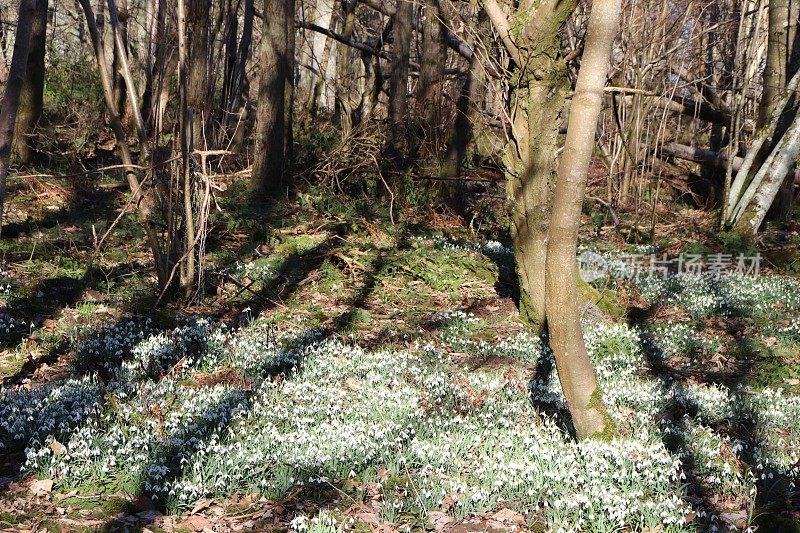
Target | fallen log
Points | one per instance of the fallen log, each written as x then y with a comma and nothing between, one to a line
706,157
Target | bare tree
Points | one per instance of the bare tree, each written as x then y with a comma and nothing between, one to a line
32,96
575,371
13,89
276,63
398,83
538,86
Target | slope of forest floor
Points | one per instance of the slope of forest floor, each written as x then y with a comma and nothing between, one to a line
341,372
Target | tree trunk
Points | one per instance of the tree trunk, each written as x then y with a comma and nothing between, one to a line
161,65
120,89
781,61
398,84
345,71
578,379
237,109
434,60
197,71
270,158
765,185
536,106
765,136
323,16
120,34
289,66
468,109
13,89
316,96
32,96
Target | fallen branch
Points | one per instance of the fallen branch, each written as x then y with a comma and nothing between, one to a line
706,157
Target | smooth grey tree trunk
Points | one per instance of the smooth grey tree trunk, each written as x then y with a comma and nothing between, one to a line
575,371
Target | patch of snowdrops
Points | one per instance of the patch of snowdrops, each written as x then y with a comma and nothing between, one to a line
309,410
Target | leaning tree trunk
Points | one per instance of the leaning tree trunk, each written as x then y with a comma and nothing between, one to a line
578,379
32,96
781,65
766,136
143,199
11,96
767,182
269,162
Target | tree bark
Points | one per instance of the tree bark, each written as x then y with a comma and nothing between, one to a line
765,185
536,106
13,89
32,96
398,84
197,67
345,71
269,162
578,379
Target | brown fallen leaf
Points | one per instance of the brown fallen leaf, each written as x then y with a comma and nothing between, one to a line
792,381
439,520
41,487
201,505
197,523
368,518
449,500
771,341
508,516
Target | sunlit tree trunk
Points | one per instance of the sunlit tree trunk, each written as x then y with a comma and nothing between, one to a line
575,371
32,96
766,179
315,74
13,88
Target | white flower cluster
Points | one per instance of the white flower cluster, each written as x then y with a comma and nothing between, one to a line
789,333
10,326
309,411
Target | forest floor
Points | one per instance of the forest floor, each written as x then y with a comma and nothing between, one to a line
344,373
